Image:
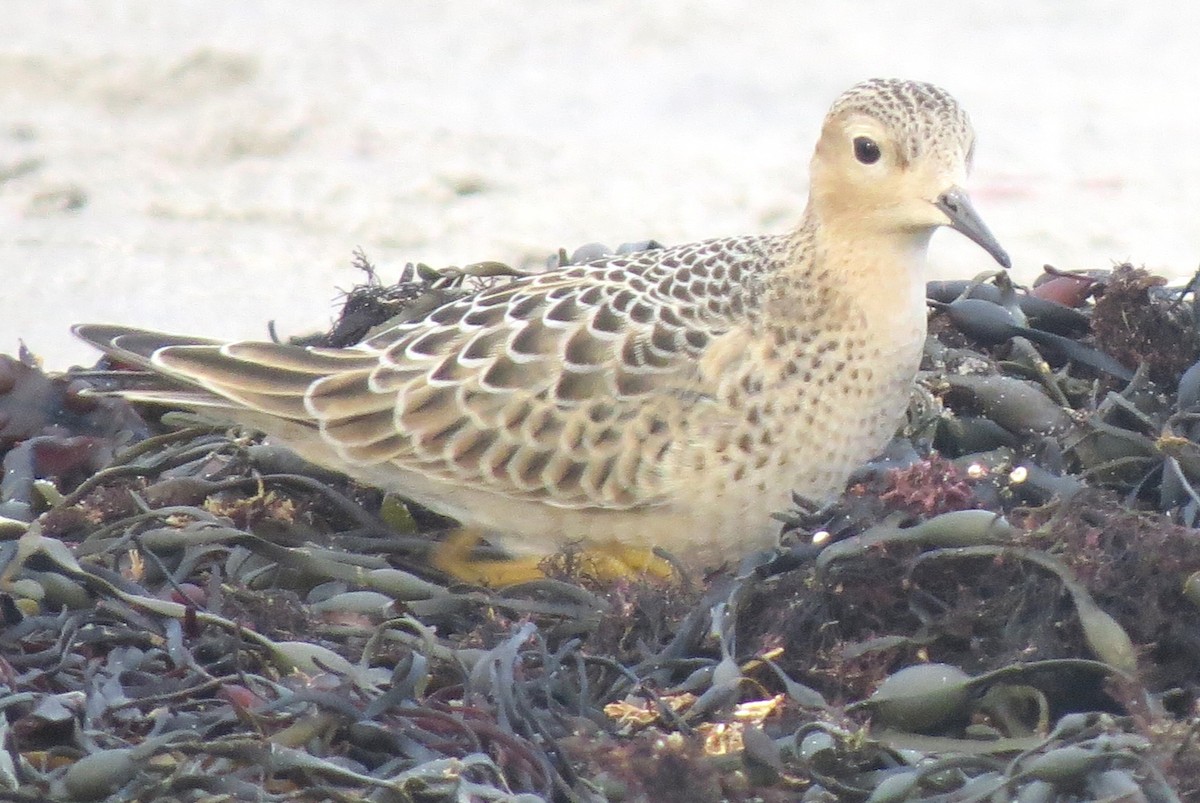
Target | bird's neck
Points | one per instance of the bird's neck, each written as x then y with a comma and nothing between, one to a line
879,273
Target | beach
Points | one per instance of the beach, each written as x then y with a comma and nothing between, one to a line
208,168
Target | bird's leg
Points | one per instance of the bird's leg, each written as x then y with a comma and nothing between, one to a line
606,562
613,561
454,557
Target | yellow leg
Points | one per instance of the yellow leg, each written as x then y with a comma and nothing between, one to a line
605,562
454,557
615,561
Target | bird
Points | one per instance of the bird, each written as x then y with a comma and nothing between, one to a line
671,398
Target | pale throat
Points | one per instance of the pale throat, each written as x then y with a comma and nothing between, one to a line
883,272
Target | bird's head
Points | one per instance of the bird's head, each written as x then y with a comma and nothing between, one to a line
893,158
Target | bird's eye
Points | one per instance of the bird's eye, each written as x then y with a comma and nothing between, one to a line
866,150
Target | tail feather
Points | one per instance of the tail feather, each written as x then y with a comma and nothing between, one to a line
216,370
130,345
201,374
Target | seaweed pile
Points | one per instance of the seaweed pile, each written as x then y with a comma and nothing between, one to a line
1006,605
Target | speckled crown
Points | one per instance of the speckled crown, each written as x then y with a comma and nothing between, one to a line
922,115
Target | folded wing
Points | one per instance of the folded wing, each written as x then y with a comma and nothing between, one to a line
568,387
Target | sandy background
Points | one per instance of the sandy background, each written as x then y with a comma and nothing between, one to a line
205,167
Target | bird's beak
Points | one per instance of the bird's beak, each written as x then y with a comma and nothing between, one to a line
965,220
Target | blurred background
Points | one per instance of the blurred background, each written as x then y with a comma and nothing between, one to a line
208,167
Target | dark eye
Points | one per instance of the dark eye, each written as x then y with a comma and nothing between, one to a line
866,151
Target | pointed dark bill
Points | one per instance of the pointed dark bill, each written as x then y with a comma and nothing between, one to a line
965,220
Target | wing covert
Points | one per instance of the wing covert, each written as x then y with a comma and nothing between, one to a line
567,387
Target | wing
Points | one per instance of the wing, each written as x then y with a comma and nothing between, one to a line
567,387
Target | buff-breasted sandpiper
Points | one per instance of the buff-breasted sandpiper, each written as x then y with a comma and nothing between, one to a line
672,398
